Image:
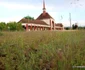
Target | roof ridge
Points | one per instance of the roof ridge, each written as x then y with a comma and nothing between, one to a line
45,16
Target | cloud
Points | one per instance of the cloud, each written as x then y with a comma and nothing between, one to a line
10,19
66,23
16,6
55,8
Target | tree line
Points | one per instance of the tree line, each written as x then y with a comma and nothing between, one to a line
11,26
74,27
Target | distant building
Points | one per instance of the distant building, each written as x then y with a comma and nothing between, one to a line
43,22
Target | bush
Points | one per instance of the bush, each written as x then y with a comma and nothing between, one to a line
42,50
3,26
67,28
74,26
13,26
29,17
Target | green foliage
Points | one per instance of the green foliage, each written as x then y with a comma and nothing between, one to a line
67,28
42,50
2,26
29,17
81,28
19,27
74,26
14,26
11,26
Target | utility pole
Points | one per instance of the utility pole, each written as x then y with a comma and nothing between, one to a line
70,19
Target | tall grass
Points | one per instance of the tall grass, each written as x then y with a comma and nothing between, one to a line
46,50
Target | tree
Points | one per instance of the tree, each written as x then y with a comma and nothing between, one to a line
11,26
3,26
29,17
14,26
19,27
74,26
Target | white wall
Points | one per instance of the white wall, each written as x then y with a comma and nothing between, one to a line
33,24
48,21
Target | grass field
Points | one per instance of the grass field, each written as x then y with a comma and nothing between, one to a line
42,50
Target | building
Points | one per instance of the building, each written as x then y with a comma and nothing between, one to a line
43,22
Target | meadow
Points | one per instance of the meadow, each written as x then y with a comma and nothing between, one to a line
42,50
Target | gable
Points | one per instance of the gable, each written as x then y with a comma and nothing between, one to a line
44,16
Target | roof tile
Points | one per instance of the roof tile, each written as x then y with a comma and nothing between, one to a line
44,16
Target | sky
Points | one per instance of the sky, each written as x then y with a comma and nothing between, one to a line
14,10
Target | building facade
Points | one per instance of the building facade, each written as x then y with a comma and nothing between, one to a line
43,22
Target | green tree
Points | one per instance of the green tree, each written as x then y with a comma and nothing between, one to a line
19,26
14,26
74,26
29,17
3,26
11,26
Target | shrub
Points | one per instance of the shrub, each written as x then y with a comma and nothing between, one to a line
3,26
42,50
13,26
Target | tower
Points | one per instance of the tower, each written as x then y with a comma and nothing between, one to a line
44,9
45,16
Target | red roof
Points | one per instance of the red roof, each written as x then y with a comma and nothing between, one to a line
44,16
32,21
59,24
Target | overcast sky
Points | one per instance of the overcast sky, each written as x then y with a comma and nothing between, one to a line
14,10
